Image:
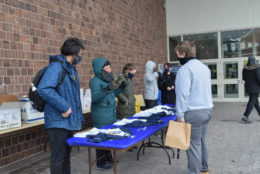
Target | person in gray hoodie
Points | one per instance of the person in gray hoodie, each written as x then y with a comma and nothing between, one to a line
150,85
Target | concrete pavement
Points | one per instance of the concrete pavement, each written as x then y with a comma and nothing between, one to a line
234,148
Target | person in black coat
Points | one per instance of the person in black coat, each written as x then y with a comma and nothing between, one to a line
166,84
251,76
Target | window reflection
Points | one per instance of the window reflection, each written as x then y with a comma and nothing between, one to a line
213,70
173,42
240,43
230,70
206,44
214,89
231,91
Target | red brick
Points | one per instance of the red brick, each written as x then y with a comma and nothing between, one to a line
31,31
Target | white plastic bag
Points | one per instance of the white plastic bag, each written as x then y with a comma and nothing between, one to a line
87,100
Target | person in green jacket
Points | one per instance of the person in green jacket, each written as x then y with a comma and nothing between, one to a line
103,104
126,100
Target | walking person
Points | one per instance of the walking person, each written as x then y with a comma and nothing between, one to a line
103,104
251,76
62,111
166,84
151,90
194,104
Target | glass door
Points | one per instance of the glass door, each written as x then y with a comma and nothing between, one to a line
232,81
213,66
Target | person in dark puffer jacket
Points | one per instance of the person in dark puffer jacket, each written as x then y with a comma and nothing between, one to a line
251,76
62,112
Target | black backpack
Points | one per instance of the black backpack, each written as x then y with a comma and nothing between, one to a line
37,102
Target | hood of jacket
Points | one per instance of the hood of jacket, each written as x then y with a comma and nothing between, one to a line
251,67
149,66
97,65
59,57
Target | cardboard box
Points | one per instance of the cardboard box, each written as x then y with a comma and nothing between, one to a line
10,115
29,114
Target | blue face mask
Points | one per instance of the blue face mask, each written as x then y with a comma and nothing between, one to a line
131,75
76,61
167,70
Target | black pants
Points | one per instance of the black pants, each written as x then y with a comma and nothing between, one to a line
252,102
150,103
60,151
103,156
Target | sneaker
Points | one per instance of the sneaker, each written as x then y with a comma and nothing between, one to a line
104,167
245,120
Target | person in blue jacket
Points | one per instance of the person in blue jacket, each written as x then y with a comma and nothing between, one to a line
62,112
103,104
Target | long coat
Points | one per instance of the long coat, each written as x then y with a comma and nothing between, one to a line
103,104
126,100
164,81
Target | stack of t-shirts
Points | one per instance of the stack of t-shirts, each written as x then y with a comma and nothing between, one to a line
99,135
150,121
127,121
158,109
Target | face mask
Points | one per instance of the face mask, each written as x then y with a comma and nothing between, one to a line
131,75
185,60
106,76
76,60
167,70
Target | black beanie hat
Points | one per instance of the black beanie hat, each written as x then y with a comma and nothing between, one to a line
107,63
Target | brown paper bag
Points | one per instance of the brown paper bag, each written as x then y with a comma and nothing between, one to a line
178,135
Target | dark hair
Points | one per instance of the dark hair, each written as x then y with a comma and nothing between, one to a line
168,65
128,66
71,46
187,47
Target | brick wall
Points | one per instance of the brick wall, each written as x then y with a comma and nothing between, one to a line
23,144
121,30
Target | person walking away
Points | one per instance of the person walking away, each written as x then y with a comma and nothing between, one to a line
251,76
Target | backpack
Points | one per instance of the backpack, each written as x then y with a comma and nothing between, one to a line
36,101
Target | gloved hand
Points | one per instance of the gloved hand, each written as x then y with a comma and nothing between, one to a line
123,85
109,87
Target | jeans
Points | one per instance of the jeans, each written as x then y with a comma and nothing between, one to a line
252,102
150,103
60,151
198,151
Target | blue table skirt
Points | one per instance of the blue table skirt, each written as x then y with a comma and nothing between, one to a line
138,135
